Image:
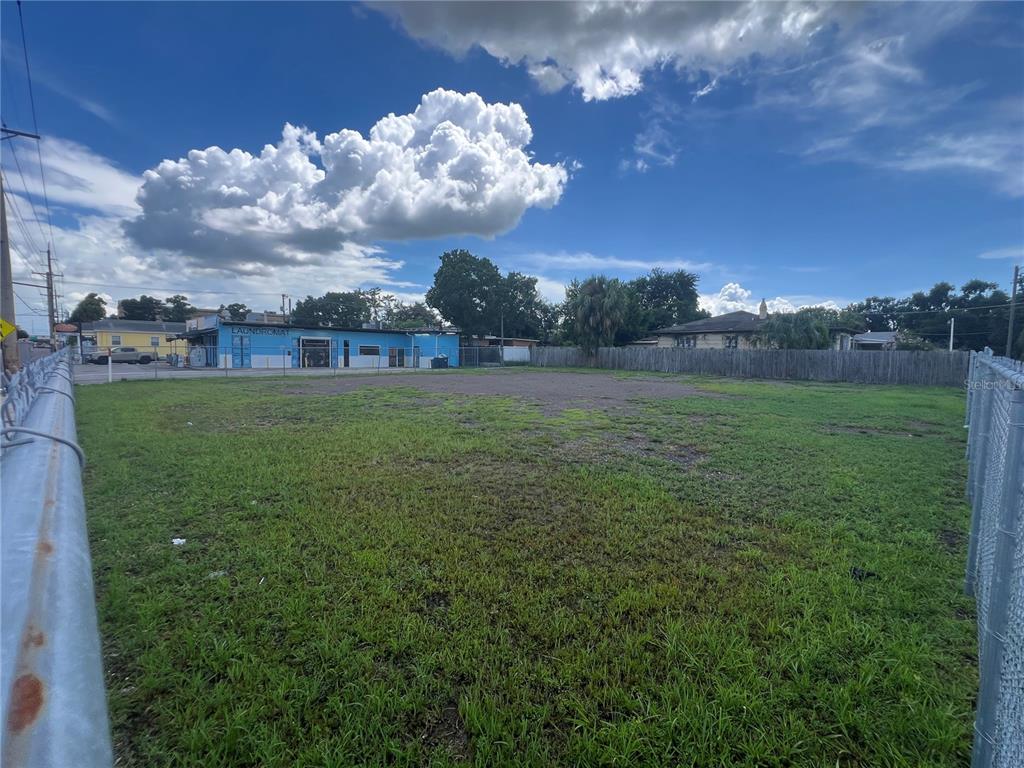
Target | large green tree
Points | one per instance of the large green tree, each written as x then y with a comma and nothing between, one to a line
596,309
667,298
471,293
236,310
520,307
340,309
89,310
407,316
143,308
467,292
176,308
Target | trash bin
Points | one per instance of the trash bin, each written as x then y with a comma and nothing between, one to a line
439,362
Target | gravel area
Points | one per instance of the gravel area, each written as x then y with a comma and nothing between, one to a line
554,391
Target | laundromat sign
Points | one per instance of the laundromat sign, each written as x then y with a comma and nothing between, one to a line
248,330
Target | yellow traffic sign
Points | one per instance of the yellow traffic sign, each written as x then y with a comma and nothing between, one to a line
5,328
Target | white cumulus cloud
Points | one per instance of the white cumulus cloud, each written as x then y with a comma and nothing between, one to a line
733,297
604,49
456,165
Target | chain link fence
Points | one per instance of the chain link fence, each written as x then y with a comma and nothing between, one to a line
995,558
52,693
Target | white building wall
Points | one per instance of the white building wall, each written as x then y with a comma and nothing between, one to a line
517,354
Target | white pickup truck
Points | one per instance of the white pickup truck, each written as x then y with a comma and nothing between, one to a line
123,355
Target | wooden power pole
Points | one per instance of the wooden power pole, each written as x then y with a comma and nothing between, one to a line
1013,306
51,298
10,341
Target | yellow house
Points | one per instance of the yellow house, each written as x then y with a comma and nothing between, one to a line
141,334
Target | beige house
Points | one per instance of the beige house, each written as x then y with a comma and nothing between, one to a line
733,330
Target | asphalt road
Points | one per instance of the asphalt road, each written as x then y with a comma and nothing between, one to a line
97,374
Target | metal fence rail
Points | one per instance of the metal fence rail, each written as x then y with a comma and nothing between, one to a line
51,677
995,557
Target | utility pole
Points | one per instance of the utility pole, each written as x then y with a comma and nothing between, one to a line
51,299
952,324
1013,306
10,341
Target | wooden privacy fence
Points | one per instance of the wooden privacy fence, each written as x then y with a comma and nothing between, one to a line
944,369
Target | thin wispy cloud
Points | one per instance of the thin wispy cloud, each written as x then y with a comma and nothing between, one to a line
582,262
1013,252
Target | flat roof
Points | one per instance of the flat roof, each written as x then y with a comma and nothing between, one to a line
302,327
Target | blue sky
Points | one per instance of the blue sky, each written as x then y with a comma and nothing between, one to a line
801,153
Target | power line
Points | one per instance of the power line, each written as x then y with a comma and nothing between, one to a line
35,122
24,184
33,310
20,221
926,311
173,290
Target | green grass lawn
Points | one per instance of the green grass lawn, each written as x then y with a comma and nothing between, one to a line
766,576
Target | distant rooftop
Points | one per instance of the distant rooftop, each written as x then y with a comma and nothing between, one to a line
731,322
117,324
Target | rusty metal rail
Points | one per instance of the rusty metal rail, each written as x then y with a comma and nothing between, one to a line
51,676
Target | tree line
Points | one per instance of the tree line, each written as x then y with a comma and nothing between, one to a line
470,293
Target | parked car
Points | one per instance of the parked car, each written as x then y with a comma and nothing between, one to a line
123,355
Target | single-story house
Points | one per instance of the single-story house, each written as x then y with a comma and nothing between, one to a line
216,342
141,334
733,330
884,340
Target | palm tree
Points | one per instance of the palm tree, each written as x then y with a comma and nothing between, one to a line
597,309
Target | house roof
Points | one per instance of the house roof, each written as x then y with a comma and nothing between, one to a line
731,322
195,332
141,326
507,338
875,337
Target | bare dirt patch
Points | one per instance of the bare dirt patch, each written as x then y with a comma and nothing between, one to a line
611,447
554,391
448,732
852,429
951,540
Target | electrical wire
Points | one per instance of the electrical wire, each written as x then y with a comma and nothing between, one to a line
35,123
24,183
173,290
22,227
927,311
32,310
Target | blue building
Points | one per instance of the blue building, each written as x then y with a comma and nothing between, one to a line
214,342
